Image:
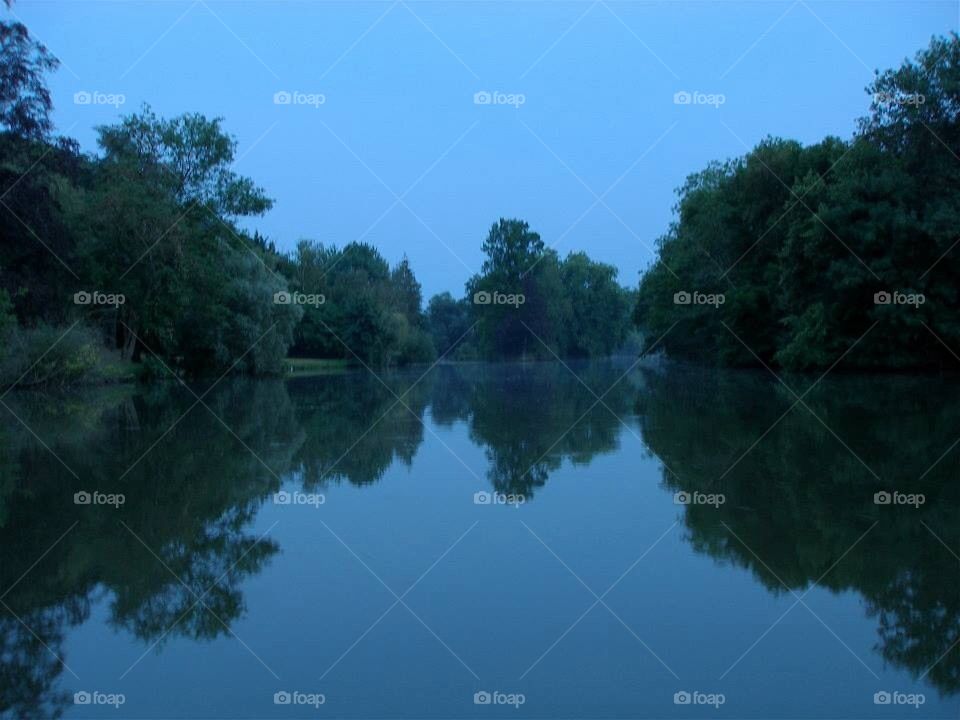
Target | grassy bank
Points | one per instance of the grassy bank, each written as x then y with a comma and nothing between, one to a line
297,367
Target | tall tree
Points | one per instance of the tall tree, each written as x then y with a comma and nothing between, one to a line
158,228
25,102
598,309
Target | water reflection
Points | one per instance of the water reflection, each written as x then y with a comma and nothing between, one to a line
189,501
528,418
525,416
173,559
804,494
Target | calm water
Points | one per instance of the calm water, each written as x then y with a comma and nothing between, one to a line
316,537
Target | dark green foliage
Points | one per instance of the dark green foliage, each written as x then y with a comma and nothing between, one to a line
356,308
157,228
38,250
529,302
799,240
149,220
449,321
50,356
189,157
799,498
598,307
24,98
526,302
795,241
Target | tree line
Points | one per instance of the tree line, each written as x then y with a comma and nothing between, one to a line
134,256
793,255
133,260
526,302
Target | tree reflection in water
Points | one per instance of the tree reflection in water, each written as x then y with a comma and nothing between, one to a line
799,498
802,496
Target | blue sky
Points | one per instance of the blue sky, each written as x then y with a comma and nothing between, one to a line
398,118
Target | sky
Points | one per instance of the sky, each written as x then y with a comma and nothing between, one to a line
415,125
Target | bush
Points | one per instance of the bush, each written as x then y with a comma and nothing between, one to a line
152,369
414,346
50,355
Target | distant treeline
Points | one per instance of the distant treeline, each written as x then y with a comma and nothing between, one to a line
525,302
131,261
790,256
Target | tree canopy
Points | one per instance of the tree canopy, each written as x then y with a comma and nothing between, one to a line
526,301
812,250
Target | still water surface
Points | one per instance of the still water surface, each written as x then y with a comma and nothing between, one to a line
506,529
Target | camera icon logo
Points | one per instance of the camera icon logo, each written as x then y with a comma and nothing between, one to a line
481,498
682,498
282,97
482,298
482,698
682,298
882,298
681,698
482,98
882,498
82,98
82,698
82,298
282,698
881,698
82,498
682,97
282,498
282,297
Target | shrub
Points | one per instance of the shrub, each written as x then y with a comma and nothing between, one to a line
49,355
